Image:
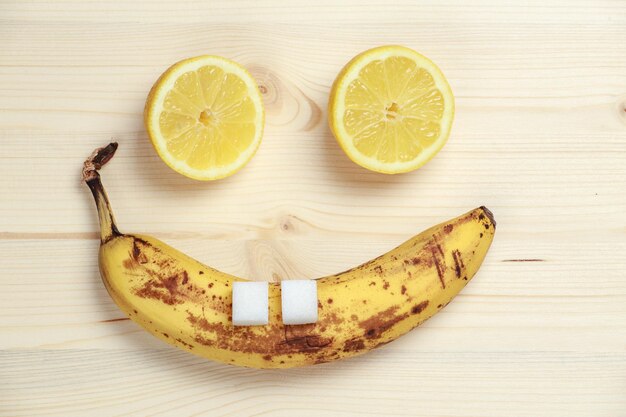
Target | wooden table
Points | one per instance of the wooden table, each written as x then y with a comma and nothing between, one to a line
539,137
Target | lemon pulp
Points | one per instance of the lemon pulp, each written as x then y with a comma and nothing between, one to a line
391,109
205,117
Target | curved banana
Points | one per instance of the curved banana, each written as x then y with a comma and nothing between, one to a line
188,304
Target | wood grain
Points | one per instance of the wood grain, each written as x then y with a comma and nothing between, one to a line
539,138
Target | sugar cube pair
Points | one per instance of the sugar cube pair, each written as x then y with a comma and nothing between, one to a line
251,306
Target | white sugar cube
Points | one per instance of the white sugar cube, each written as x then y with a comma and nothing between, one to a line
299,301
250,303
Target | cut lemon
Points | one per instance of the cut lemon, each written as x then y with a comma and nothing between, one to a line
205,117
391,109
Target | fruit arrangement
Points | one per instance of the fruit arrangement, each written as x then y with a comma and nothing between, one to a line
391,110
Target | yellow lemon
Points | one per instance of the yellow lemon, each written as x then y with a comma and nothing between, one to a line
391,109
205,117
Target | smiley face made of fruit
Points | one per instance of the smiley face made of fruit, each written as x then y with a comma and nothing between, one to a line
391,111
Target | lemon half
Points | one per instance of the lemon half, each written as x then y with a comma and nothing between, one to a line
205,117
391,109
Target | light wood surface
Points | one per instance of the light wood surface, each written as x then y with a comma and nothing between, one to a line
539,137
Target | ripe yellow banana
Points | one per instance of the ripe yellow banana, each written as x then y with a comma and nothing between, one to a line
188,304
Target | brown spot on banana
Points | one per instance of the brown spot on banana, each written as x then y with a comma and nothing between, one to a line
458,263
307,343
136,257
440,250
203,341
162,288
489,215
376,325
439,264
420,307
185,344
354,345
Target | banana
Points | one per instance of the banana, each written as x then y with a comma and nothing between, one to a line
188,304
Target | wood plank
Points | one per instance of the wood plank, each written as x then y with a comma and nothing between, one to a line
550,190
131,383
351,12
550,293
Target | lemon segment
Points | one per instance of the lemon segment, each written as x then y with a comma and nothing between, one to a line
205,117
391,109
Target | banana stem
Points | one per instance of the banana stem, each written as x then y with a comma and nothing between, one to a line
97,160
